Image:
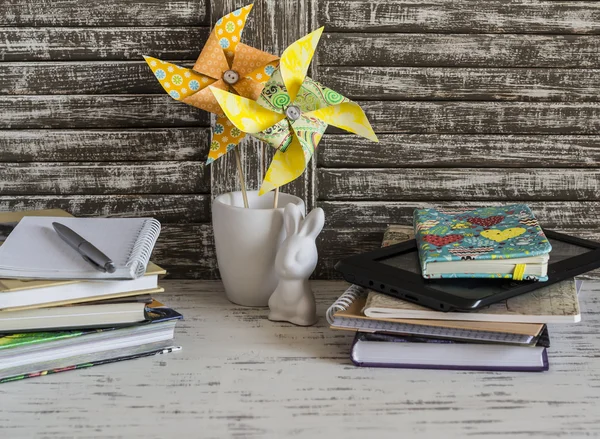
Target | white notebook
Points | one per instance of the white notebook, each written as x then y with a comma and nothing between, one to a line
34,250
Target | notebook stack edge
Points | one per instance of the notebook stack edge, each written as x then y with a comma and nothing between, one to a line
390,332
50,326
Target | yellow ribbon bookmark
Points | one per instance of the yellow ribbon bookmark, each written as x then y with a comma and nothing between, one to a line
519,271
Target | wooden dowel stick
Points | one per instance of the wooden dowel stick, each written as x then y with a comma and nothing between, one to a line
238,160
276,201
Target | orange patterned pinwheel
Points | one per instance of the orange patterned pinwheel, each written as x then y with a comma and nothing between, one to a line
226,64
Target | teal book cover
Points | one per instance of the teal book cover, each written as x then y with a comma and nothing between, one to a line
503,232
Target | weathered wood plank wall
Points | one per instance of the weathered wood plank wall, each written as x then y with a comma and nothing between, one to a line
475,102
84,125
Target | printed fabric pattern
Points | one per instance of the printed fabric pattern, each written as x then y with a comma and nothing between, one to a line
503,232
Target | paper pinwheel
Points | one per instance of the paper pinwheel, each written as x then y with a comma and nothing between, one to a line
292,113
225,64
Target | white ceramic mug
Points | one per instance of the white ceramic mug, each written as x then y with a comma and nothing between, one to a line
246,241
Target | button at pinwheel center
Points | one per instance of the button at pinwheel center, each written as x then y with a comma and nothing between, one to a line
293,113
231,77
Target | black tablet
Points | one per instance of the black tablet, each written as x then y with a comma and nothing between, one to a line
395,270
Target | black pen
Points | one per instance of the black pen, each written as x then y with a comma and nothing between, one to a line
87,250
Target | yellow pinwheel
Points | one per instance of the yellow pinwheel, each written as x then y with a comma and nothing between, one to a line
292,113
225,63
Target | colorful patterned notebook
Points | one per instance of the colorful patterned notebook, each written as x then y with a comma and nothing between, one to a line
491,242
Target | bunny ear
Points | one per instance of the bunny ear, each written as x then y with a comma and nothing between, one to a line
292,215
313,224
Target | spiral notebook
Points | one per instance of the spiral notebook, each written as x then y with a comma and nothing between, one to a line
34,250
347,313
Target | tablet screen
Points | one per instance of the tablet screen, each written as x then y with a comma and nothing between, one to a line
477,288
563,250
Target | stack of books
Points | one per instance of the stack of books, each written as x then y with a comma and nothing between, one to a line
49,326
506,336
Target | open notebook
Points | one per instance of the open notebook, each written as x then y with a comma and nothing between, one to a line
35,251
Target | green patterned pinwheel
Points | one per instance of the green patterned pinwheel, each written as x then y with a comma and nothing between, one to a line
292,113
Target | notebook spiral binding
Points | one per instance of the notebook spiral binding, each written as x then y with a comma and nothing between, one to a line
344,301
142,248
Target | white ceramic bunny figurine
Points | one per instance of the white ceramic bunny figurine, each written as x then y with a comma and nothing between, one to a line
293,300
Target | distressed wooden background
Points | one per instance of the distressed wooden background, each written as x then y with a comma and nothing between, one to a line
475,102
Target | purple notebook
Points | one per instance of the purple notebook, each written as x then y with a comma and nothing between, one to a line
384,350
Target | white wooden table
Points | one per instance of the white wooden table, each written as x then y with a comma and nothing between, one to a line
240,375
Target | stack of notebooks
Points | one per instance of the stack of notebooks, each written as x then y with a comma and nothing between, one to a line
58,313
510,335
